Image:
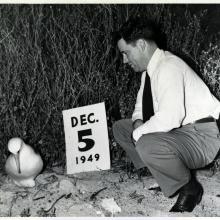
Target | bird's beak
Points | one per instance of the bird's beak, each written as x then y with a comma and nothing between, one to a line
17,162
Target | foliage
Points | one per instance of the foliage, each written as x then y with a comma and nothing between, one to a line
184,35
210,67
53,58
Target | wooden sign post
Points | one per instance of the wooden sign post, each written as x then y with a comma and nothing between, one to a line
86,137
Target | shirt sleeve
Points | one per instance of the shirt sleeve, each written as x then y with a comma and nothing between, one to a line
169,92
137,114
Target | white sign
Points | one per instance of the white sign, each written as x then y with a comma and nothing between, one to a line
86,136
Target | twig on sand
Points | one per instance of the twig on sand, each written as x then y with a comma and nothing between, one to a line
45,213
93,196
55,203
42,197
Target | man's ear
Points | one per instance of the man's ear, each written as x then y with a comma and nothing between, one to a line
142,44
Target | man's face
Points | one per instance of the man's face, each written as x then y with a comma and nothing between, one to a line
132,55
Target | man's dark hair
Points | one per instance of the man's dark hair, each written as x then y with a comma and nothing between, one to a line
139,28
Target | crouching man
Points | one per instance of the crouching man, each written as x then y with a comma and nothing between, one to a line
173,130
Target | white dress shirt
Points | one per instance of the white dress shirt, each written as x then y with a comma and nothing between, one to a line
179,95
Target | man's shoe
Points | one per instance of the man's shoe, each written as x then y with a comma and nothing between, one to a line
189,196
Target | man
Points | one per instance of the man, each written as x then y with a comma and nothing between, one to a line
180,133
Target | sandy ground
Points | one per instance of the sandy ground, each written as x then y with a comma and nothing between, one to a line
57,194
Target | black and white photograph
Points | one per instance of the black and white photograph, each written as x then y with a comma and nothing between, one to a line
110,110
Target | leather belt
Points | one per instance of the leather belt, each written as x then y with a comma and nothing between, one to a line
204,120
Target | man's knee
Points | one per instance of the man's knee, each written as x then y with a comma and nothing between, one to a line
146,144
119,126
116,127
150,145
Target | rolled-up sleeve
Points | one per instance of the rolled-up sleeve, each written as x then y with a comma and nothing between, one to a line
169,92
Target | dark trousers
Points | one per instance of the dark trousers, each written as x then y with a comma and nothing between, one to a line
170,155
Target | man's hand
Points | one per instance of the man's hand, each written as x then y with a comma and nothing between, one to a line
137,123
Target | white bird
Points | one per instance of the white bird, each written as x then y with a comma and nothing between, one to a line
24,164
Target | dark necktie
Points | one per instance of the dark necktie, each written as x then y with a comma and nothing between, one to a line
147,102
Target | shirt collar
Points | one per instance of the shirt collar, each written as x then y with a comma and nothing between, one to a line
154,61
